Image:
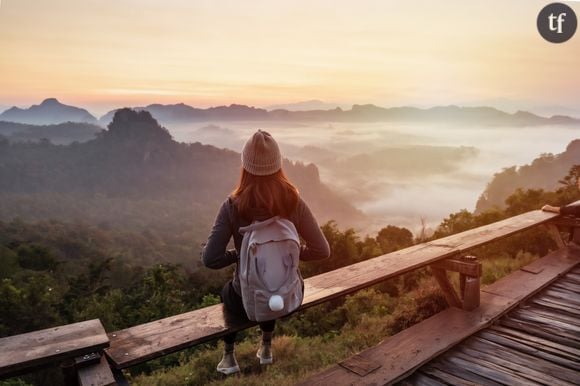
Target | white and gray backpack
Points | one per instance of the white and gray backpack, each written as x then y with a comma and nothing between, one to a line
270,279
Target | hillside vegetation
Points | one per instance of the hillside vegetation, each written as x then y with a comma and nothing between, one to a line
543,173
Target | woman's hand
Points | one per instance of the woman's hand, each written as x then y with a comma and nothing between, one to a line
550,208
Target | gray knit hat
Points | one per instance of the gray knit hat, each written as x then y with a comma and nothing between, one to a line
261,154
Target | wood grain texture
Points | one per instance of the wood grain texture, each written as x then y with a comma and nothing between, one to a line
463,267
451,296
549,372
99,374
51,345
406,351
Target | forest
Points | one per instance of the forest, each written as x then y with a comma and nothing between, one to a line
56,272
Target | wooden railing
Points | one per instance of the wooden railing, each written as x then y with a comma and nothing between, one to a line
134,345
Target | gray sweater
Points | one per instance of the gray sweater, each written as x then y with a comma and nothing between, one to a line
228,222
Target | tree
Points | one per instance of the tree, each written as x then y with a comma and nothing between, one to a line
392,238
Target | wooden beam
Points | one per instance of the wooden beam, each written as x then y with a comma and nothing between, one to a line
472,294
51,345
555,235
98,374
404,352
447,288
469,268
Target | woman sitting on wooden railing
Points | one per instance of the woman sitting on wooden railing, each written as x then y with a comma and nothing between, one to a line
263,193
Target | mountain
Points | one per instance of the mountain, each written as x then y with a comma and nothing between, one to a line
136,169
182,113
312,104
487,116
50,111
543,173
62,133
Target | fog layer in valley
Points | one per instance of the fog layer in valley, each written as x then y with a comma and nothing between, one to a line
397,173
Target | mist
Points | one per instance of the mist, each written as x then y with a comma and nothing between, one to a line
397,173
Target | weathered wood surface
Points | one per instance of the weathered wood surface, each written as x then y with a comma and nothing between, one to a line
446,287
537,343
151,340
99,374
51,345
465,267
404,352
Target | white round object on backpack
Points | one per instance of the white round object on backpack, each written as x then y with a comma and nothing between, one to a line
276,303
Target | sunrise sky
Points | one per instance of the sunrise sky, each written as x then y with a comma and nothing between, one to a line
101,54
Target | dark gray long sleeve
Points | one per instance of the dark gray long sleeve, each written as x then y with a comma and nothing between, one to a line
573,210
214,254
316,247
227,223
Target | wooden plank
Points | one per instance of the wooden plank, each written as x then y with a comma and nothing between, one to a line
460,372
563,296
573,278
532,366
473,238
50,345
513,364
360,365
447,377
151,340
539,320
570,319
415,346
489,370
556,306
423,380
527,337
534,349
574,288
446,287
99,374
553,334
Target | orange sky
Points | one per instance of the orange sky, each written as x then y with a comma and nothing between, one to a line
104,53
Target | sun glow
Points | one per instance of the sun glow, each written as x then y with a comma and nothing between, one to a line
216,52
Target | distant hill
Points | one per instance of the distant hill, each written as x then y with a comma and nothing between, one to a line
50,111
543,173
313,104
136,160
181,113
61,134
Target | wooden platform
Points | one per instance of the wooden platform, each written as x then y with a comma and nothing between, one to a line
151,340
50,346
536,344
400,355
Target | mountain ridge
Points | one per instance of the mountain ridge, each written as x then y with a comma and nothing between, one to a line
182,113
51,111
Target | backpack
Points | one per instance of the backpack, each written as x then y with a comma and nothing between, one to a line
270,279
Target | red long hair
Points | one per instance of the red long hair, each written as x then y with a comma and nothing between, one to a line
273,193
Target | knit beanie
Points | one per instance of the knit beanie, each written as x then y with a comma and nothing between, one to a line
261,155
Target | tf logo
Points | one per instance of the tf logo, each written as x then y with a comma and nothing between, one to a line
557,22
